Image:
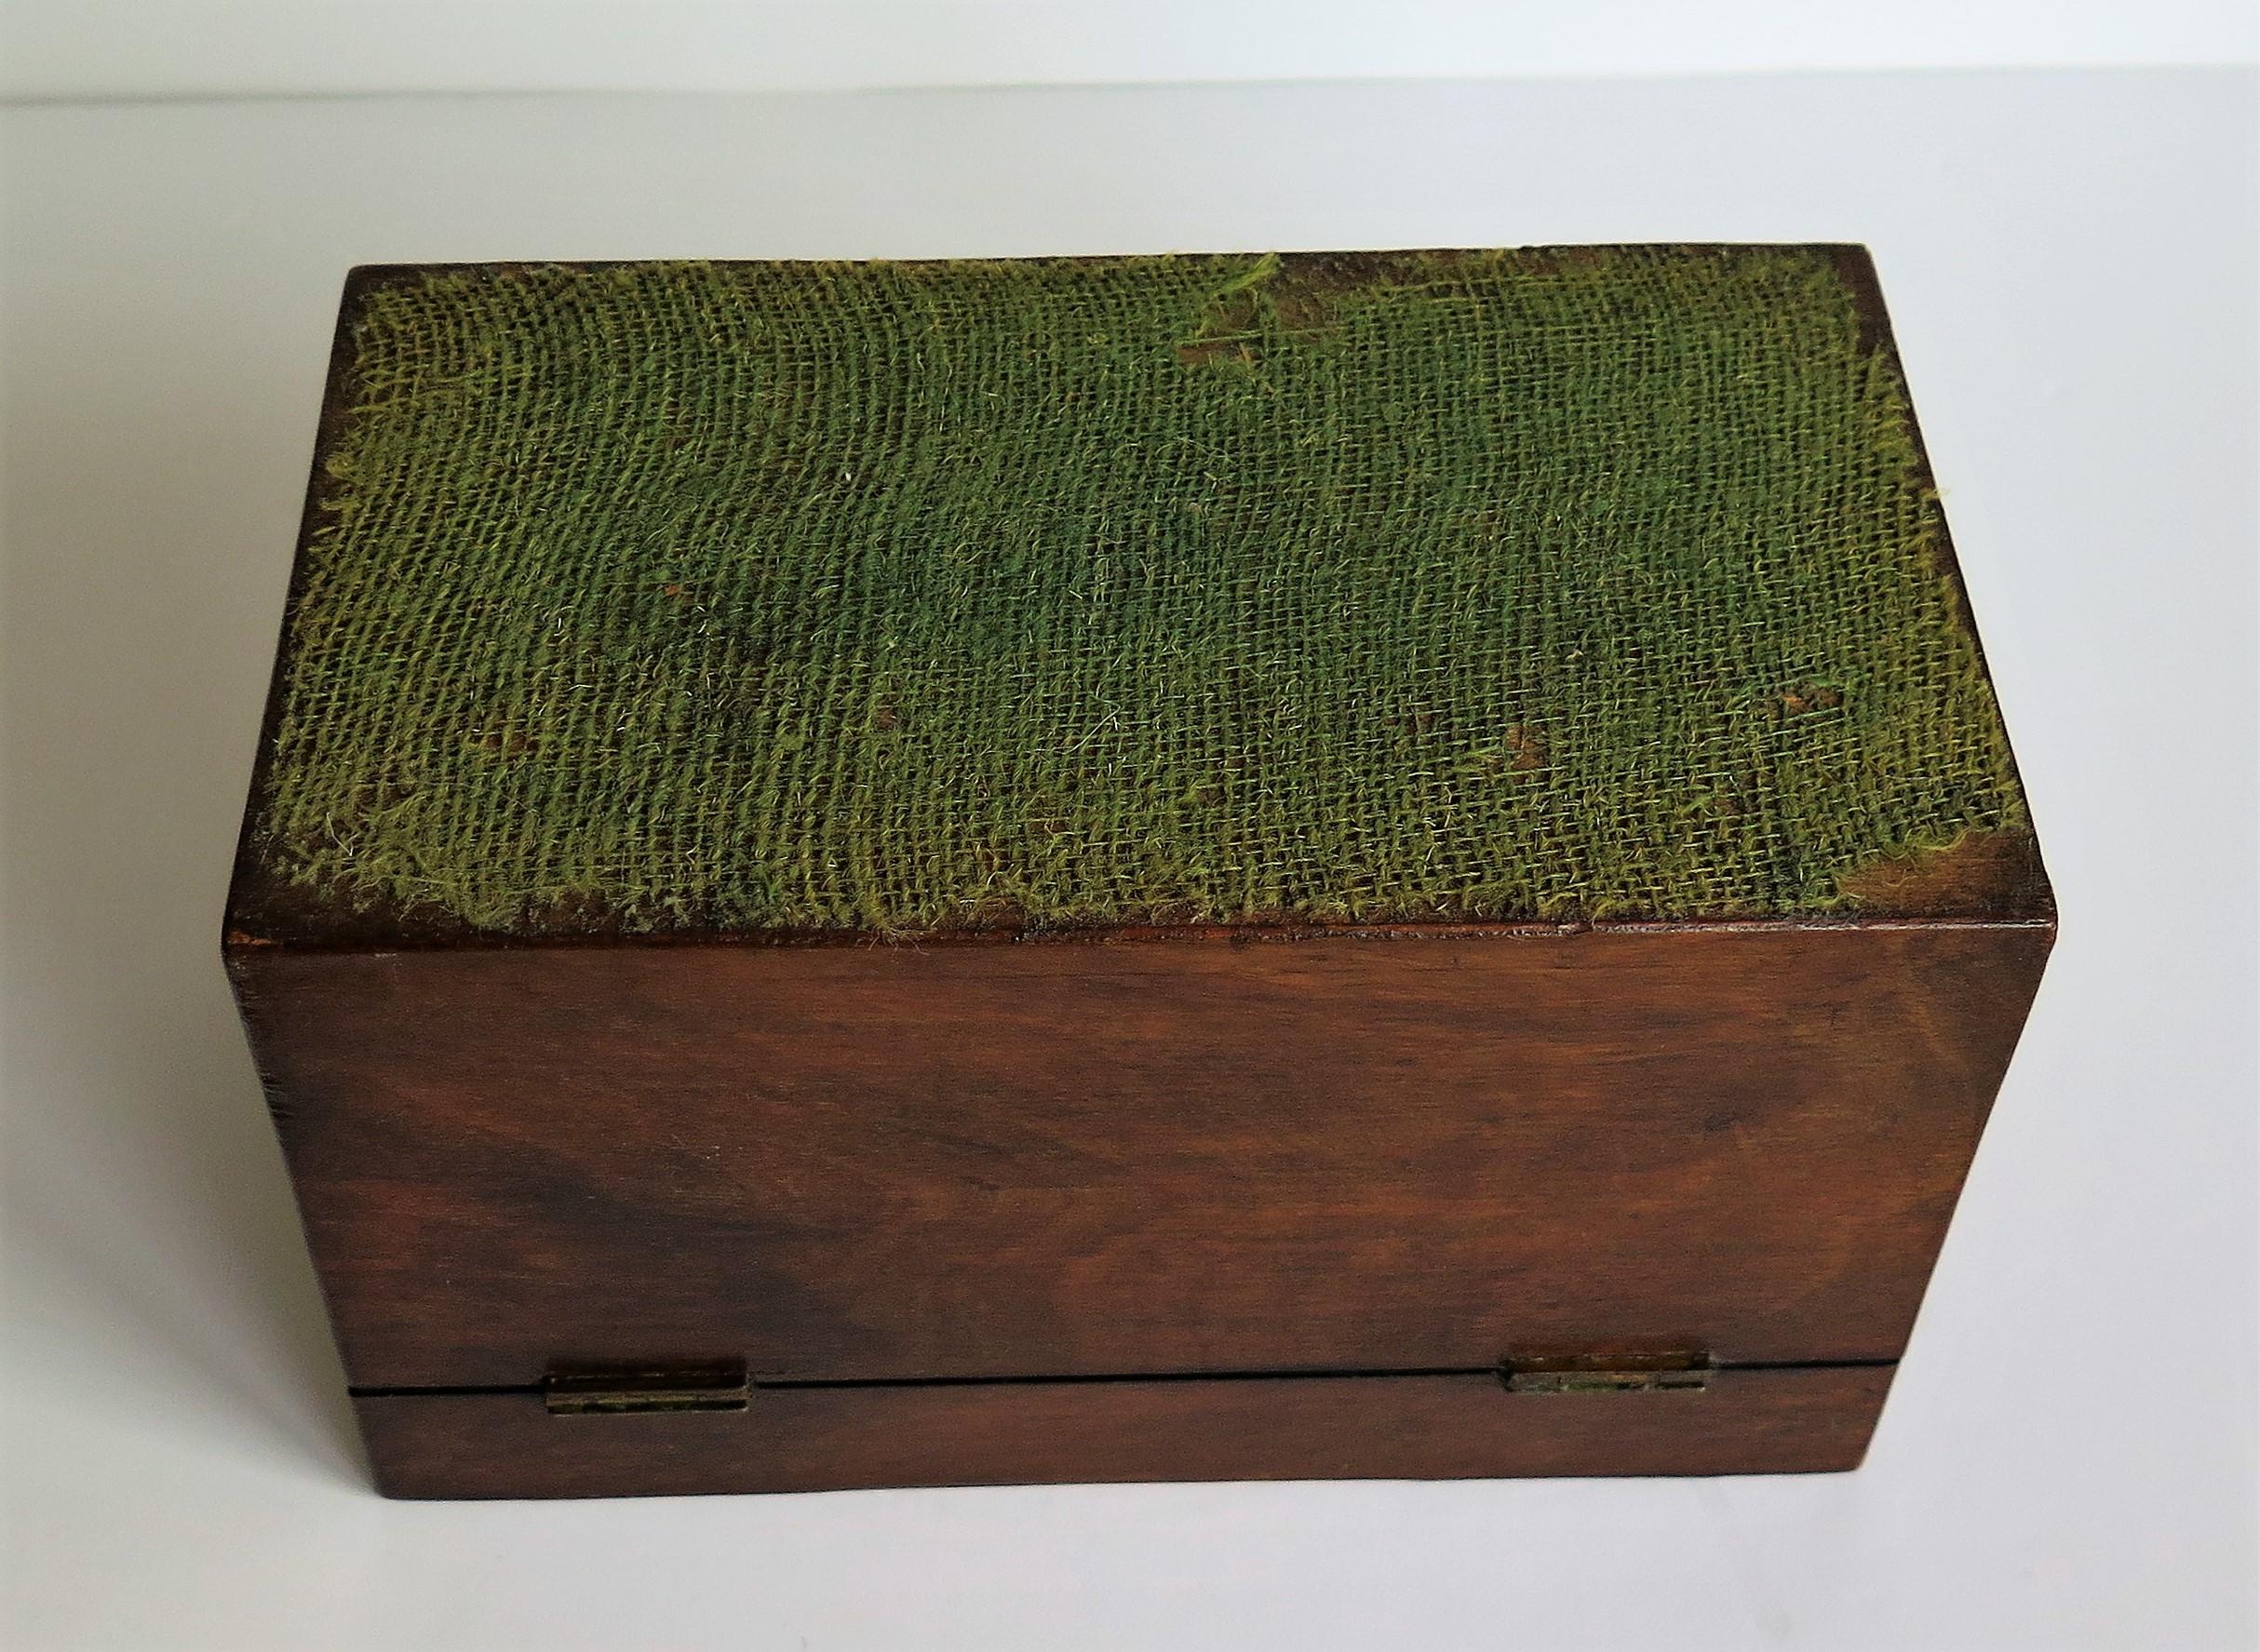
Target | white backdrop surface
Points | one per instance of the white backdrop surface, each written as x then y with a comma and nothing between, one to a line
173,48
2069,1459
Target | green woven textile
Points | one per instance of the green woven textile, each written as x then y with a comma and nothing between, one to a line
896,597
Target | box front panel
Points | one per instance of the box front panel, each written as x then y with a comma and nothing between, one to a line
1775,1420
1074,1157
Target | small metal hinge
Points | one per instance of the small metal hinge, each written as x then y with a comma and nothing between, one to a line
1646,1374
1603,1382
596,1391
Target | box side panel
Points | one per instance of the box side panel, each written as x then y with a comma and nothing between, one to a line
1407,1428
1063,1160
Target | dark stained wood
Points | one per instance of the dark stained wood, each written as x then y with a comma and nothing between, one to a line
1067,1159
1759,1421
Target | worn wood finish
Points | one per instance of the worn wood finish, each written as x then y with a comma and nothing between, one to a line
829,1439
1081,1158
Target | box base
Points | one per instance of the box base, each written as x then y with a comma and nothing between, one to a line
1779,1419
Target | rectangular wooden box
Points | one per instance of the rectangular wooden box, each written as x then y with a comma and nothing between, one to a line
1600,1111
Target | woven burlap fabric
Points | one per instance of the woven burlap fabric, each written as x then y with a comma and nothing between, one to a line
918,597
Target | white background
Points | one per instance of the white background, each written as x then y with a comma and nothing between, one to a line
84,48
2068,1458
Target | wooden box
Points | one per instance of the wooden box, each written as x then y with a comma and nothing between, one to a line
1355,865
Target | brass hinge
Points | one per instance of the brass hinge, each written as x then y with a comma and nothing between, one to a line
601,1391
1591,1374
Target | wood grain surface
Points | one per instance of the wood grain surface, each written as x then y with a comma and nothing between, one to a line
1067,1159
1761,1421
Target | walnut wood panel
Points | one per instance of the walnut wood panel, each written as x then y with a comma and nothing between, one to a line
1793,1421
1059,1158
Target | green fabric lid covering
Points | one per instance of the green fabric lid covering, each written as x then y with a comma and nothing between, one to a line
1571,584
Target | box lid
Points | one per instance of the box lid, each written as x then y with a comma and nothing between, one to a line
788,598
